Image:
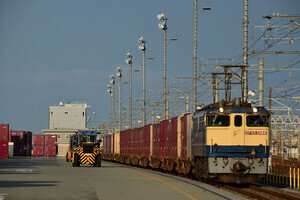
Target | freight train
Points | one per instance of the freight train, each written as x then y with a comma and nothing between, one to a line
227,141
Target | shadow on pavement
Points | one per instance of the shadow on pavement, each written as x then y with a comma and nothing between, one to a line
27,162
8,184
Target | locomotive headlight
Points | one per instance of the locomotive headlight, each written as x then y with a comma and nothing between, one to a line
254,110
221,109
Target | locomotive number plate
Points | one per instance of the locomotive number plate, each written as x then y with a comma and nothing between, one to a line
256,133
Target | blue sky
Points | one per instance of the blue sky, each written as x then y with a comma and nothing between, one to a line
57,50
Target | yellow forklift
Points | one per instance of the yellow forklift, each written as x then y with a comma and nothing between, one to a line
86,149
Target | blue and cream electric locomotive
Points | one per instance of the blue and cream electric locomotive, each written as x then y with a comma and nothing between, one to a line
230,142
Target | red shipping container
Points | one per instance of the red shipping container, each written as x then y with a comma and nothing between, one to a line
38,150
162,137
156,139
39,140
50,150
50,140
20,149
139,141
174,133
3,149
147,140
4,129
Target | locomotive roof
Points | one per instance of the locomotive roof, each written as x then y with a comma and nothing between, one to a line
230,107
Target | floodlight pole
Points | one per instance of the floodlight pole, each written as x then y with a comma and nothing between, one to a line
166,110
109,111
119,74
129,61
112,81
164,27
144,88
142,47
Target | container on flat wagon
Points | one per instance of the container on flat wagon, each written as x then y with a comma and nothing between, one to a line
147,140
50,150
162,139
168,140
4,130
189,127
172,139
185,123
123,142
50,140
155,141
151,140
108,144
3,149
104,144
38,150
135,147
112,140
39,140
117,143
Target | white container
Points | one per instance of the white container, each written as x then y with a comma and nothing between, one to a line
10,149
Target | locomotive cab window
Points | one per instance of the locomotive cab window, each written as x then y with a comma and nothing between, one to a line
238,120
257,121
217,120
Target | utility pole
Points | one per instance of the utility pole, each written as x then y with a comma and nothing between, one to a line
261,83
195,56
245,49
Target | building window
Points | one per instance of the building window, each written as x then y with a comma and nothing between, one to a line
82,114
58,135
67,136
66,113
51,114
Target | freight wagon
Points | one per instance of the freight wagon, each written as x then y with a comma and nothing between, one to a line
165,146
224,141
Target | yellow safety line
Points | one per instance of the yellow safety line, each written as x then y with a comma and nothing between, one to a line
172,186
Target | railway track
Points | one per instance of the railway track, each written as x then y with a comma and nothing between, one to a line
261,193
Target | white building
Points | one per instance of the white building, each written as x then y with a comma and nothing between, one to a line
68,115
64,120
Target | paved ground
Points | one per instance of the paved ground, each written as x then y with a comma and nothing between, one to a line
52,178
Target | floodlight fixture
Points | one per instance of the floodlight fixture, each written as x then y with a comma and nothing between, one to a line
128,55
141,40
161,16
112,79
251,93
142,47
